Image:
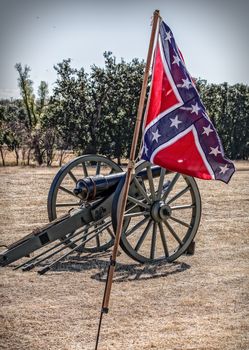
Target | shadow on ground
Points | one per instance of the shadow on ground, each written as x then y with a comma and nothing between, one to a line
123,272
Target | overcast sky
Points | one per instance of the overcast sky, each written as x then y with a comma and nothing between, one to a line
212,35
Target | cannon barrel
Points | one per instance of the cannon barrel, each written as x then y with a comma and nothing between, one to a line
93,187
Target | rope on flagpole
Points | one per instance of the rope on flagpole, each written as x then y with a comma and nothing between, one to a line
130,171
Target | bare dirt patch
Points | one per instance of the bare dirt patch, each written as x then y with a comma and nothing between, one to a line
198,302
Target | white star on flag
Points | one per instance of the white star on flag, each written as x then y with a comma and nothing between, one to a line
145,149
223,169
186,83
207,130
195,108
156,135
168,36
177,60
214,151
175,121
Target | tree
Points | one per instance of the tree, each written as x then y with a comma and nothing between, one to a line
121,103
95,113
238,111
68,112
2,131
12,134
35,111
228,108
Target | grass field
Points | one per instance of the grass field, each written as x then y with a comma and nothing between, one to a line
198,302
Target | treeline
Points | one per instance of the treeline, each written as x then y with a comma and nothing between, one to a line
95,113
228,108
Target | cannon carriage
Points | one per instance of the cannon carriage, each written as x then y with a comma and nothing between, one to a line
161,217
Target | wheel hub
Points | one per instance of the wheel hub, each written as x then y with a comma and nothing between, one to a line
160,211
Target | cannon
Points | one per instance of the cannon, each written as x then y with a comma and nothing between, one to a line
161,217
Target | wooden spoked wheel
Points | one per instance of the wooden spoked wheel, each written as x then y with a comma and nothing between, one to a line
61,198
163,210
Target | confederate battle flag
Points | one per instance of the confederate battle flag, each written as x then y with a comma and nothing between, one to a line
177,133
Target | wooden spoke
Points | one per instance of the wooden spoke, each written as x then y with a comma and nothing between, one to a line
171,185
135,227
85,172
66,190
179,194
131,208
171,230
97,240
160,185
133,215
165,247
143,236
138,202
153,241
180,207
98,168
110,232
72,176
151,183
180,221
141,190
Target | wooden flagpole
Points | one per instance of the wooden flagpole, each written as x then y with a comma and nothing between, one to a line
129,172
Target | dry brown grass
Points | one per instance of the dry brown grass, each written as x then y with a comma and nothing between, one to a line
199,302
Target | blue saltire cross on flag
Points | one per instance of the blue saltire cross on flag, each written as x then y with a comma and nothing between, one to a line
177,132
